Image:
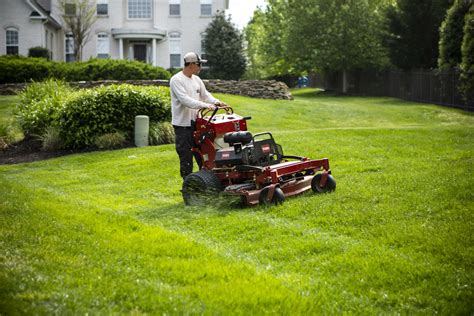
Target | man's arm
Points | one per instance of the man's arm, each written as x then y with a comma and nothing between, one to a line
208,97
177,88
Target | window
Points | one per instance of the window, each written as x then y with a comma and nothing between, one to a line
102,7
175,7
175,49
206,7
70,8
51,46
12,41
46,35
175,60
70,48
102,45
203,53
139,9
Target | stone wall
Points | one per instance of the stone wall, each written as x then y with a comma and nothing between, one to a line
265,89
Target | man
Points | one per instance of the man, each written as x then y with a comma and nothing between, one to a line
188,96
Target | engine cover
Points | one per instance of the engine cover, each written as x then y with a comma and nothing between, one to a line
228,157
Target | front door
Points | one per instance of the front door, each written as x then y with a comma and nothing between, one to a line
139,52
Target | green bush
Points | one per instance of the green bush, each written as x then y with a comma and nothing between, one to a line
24,69
40,104
94,112
161,133
38,51
467,65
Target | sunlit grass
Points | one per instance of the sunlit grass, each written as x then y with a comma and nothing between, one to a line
107,232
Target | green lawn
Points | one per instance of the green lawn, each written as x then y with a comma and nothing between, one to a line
107,232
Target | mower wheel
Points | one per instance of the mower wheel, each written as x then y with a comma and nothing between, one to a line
200,188
278,196
328,187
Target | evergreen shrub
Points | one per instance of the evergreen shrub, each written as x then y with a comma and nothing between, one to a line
25,69
38,51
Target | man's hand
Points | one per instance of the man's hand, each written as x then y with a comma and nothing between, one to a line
220,104
211,107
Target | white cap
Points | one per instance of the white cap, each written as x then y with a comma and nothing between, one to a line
193,58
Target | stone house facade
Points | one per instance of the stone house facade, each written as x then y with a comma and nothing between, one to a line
158,32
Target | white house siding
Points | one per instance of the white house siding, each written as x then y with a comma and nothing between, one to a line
14,13
190,24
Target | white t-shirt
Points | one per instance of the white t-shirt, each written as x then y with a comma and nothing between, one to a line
188,95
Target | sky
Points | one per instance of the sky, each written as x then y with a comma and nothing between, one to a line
242,10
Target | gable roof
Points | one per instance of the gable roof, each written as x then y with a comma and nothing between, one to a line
39,12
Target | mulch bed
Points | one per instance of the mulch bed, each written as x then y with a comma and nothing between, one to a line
29,149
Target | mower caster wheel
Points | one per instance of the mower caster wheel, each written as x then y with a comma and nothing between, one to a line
278,196
328,187
201,188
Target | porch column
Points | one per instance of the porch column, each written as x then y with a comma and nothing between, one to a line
153,52
120,48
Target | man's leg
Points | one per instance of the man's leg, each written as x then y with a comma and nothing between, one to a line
183,136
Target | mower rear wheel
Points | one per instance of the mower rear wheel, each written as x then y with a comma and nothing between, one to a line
278,196
200,188
328,187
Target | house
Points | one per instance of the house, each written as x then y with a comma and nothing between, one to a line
158,32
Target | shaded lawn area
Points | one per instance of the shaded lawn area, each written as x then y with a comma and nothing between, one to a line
107,232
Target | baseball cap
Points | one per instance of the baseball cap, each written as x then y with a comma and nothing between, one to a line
193,58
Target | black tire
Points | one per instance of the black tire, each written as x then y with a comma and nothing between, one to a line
328,187
278,197
200,188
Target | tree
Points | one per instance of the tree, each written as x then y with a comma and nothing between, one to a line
414,32
266,37
79,16
297,36
337,35
451,35
467,64
223,45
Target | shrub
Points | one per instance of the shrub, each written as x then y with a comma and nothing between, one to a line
40,104
161,133
467,65
38,51
51,139
23,69
94,112
110,140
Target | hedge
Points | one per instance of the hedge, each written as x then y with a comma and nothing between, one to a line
15,69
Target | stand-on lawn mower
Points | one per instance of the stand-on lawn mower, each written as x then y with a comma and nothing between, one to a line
250,166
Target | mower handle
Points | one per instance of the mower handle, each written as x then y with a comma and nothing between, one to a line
205,111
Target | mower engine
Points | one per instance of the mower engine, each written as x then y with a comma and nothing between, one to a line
250,166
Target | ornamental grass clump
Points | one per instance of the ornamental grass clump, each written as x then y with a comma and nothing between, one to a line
110,140
161,133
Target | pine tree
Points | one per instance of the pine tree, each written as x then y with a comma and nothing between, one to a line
223,45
